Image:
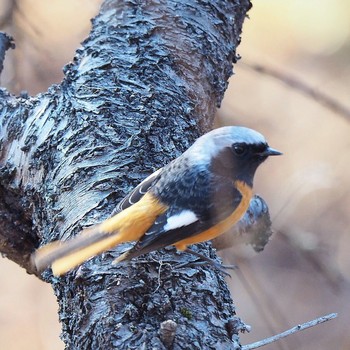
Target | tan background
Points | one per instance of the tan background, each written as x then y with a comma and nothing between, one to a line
304,271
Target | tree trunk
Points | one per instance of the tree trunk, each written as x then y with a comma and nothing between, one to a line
141,88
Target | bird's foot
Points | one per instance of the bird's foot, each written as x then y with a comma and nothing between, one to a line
204,260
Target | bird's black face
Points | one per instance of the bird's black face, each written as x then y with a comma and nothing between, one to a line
241,160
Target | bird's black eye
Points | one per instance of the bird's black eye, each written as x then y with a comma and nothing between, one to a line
239,149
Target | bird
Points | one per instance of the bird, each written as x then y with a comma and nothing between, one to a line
195,198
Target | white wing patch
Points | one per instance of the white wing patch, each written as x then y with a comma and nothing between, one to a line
184,218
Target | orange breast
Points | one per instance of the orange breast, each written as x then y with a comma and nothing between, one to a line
221,227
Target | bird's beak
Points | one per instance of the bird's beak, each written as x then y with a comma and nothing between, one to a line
270,152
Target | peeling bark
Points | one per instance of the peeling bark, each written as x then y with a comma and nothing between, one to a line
142,87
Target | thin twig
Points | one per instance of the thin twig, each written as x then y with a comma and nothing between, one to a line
262,304
293,330
320,97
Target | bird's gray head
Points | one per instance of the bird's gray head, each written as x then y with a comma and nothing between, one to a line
232,151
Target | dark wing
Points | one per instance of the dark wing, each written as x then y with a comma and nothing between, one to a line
164,231
138,192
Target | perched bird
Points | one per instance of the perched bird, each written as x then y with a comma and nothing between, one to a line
195,198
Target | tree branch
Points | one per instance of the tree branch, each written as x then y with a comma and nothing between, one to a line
298,328
303,88
142,87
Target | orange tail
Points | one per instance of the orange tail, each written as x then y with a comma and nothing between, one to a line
128,225
64,256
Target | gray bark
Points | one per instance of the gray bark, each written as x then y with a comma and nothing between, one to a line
143,86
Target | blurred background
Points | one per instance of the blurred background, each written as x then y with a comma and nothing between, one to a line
295,56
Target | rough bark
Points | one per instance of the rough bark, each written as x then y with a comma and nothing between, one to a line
141,88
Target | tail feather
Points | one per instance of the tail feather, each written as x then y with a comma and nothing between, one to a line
66,263
63,256
128,225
